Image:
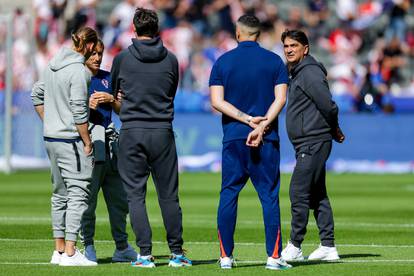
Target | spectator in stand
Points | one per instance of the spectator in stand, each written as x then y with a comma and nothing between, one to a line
368,13
123,13
316,15
43,17
371,92
397,25
346,11
392,61
295,19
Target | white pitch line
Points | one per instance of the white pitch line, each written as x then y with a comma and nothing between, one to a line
257,262
10,263
334,262
216,243
189,220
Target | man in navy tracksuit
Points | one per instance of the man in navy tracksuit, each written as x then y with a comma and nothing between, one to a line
248,86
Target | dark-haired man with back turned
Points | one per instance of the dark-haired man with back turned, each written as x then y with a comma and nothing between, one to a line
248,86
147,74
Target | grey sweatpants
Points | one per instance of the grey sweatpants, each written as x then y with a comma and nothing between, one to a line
71,176
105,175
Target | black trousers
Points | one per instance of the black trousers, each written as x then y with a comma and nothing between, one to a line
145,151
308,191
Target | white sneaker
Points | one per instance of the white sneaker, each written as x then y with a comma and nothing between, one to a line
90,253
324,253
127,255
226,262
277,264
56,258
78,259
292,253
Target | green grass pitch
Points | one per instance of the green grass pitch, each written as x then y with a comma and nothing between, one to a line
374,222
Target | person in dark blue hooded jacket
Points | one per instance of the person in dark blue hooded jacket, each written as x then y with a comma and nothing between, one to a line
147,75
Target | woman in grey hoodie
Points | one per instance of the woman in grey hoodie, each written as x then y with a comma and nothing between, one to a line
60,98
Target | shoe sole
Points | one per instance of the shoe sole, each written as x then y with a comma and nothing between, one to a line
271,267
300,259
172,264
77,264
329,258
140,266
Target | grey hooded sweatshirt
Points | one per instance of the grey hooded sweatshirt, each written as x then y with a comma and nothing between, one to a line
311,114
63,90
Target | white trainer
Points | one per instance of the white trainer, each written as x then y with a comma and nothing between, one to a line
292,253
78,259
90,253
277,264
226,262
56,256
127,255
324,253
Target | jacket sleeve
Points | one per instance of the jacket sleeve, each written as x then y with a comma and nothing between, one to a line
115,73
79,96
38,92
315,85
176,74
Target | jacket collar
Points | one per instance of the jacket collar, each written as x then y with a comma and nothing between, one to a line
248,44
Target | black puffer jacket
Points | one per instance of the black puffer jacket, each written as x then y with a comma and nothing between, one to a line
311,115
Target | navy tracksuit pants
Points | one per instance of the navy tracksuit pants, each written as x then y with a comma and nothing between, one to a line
262,166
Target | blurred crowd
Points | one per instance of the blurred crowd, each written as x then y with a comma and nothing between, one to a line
366,45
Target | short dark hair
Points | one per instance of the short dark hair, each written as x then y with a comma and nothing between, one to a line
146,22
250,21
297,35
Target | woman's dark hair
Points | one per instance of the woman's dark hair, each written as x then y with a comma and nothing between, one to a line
297,35
146,22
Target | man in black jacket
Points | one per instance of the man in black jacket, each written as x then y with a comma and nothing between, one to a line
312,123
147,75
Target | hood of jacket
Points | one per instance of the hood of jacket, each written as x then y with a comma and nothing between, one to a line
64,57
307,61
151,50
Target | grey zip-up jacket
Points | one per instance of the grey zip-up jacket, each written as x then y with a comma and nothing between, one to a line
311,114
63,90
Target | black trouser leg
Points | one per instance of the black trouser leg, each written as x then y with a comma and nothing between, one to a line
164,170
308,191
134,171
320,204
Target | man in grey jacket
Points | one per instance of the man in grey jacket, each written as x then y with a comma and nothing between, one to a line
312,123
60,98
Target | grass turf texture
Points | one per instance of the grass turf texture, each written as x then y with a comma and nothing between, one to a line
373,216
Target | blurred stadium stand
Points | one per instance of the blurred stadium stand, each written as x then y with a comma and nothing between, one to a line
369,71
